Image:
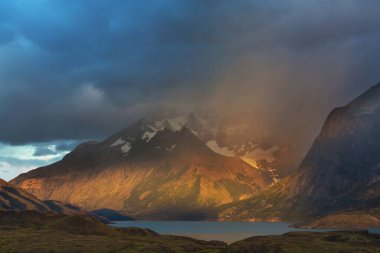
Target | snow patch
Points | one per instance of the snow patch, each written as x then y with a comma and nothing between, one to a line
214,146
260,154
174,124
194,132
170,149
125,148
147,136
250,161
178,123
117,142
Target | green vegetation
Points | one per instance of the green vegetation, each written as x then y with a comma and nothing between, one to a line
310,242
48,240
40,233
35,232
346,219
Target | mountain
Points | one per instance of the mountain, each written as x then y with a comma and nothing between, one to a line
111,215
28,224
339,177
156,171
230,136
342,169
13,198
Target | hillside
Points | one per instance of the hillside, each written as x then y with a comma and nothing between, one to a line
13,198
35,232
337,180
170,174
31,231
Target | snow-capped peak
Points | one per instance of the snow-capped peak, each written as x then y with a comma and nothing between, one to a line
221,137
214,146
117,142
125,148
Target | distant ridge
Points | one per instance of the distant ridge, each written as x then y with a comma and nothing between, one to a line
13,198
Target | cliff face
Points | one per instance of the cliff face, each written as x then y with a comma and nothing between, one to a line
340,173
171,175
342,169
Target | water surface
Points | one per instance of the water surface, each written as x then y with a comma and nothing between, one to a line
223,231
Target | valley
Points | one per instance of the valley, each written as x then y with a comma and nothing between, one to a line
168,169
31,231
218,126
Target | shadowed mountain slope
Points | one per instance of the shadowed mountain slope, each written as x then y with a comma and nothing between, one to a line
13,198
340,173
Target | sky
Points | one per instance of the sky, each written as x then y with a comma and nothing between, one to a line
74,70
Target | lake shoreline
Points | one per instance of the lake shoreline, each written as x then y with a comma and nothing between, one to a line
226,231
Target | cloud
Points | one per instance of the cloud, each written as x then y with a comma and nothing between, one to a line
43,151
66,145
74,70
16,159
11,167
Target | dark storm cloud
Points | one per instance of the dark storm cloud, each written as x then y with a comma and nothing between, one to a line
54,148
43,151
66,145
82,69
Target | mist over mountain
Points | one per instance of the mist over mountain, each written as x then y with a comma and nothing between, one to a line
198,166
165,166
338,180
95,67
213,119
342,168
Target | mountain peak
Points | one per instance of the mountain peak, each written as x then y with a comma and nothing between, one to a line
367,103
167,141
2,182
160,166
344,157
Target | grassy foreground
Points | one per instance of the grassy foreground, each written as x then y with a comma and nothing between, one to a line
310,242
35,232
